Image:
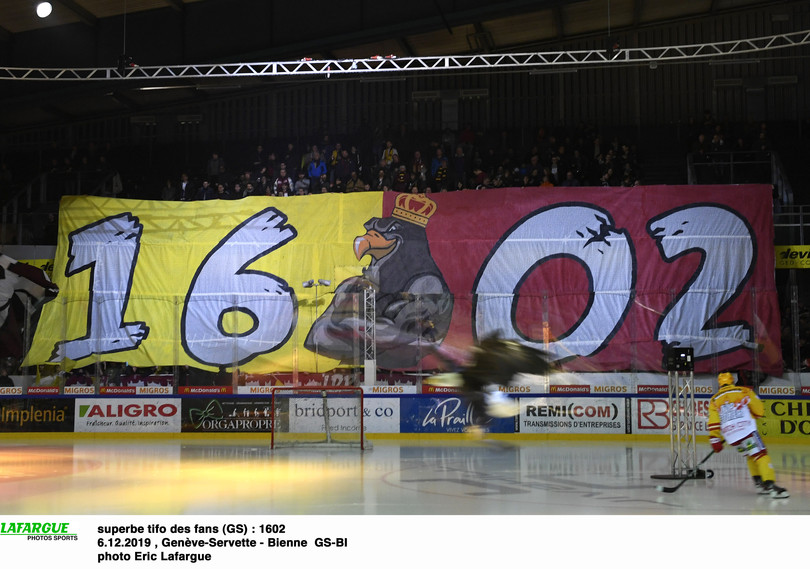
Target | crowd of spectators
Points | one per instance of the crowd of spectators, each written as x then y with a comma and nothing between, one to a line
729,154
803,343
405,163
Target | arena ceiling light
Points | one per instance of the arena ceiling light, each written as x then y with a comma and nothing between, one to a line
44,9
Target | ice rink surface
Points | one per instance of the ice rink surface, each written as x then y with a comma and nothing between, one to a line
126,476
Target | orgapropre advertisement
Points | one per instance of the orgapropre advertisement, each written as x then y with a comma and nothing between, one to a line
226,415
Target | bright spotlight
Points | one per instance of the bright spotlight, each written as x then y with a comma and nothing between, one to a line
44,9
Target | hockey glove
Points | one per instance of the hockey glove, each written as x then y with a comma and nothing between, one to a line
717,443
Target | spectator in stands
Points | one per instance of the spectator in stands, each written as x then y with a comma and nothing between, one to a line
508,177
563,161
215,168
354,159
281,182
381,164
389,152
536,176
320,186
5,380
436,163
186,189
269,167
223,193
290,156
459,173
315,169
258,160
701,147
326,147
261,185
334,156
486,184
344,167
763,145
308,157
554,172
570,180
302,184
418,169
393,168
250,189
466,138
441,179
169,192
355,184
381,181
402,181
477,178
206,192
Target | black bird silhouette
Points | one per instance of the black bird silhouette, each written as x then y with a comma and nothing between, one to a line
493,362
413,303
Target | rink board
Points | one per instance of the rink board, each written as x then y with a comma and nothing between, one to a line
431,415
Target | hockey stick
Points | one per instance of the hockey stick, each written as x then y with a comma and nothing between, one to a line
690,476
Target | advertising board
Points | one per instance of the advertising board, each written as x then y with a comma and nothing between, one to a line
36,415
651,416
582,415
114,415
444,414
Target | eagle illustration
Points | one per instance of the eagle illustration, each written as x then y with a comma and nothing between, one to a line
413,303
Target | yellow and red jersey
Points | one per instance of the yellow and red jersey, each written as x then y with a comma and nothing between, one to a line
733,412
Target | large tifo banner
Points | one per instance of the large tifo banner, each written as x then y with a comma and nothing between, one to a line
602,279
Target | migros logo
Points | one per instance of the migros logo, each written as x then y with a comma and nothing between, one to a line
129,410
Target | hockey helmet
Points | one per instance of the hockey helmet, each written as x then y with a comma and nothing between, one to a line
725,378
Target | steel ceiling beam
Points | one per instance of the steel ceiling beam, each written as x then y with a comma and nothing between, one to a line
83,14
330,67
176,5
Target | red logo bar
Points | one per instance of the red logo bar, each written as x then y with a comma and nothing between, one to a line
204,389
569,388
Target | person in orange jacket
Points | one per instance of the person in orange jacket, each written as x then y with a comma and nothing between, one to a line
733,412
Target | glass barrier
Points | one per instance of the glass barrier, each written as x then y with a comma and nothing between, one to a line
246,344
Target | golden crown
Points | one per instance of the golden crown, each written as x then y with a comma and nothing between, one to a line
416,208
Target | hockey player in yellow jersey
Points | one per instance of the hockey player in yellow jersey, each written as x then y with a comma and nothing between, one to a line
733,414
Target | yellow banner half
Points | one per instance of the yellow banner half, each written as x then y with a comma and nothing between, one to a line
171,283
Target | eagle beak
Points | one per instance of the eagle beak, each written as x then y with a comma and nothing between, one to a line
374,244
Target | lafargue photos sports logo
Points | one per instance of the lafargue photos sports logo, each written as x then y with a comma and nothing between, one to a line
39,531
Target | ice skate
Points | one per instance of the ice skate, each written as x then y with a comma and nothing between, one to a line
776,492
